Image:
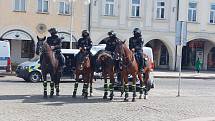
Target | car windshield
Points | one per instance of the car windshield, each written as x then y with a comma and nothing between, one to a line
34,59
96,48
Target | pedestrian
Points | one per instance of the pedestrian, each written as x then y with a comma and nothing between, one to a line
198,65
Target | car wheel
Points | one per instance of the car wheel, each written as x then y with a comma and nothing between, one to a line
35,77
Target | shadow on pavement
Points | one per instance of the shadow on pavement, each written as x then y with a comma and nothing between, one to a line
13,81
55,101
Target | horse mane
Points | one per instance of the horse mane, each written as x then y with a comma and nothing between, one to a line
105,53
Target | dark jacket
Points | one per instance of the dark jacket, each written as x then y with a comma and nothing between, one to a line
85,42
54,40
136,43
111,43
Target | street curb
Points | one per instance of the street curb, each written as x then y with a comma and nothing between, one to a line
173,77
7,74
184,77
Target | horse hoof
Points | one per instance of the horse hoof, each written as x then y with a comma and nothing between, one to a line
91,94
145,96
133,100
125,100
111,98
140,97
104,97
85,97
57,94
74,96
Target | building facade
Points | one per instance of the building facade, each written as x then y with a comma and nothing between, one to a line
22,21
157,19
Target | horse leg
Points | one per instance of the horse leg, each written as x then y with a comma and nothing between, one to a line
45,86
52,88
91,85
141,85
52,85
134,87
147,86
122,89
75,86
57,82
105,87
126,86
85,87
111,86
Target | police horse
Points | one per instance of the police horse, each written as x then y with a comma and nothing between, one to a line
83,67
49,64
106,61
129,66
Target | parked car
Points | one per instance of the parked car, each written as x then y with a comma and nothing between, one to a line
5,61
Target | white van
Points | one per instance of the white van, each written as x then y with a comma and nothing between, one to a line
149,56
5,62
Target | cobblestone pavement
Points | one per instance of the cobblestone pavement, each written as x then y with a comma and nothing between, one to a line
21,101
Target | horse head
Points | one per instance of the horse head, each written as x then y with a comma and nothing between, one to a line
83,61
119,51
39,45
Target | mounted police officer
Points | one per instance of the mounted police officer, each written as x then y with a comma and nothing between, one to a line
136,45
111,42
55,42
85,43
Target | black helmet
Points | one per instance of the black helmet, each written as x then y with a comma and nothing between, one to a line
112,33
85,33
137,31
52,31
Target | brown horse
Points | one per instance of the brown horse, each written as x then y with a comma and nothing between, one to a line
106,61
84,68
129,66
49,64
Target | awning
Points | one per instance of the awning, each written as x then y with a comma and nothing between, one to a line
16,35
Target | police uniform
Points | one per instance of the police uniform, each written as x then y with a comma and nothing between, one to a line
55,41
86,43
136,43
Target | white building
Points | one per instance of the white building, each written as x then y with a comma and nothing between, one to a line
157,19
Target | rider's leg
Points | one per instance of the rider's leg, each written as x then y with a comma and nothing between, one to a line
141,61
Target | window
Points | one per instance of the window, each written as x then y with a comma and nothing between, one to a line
64,8
135,8
43,6
19,5
27,49
192,12
212,14
160,12
109,7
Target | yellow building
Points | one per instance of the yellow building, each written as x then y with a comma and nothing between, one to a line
21,21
